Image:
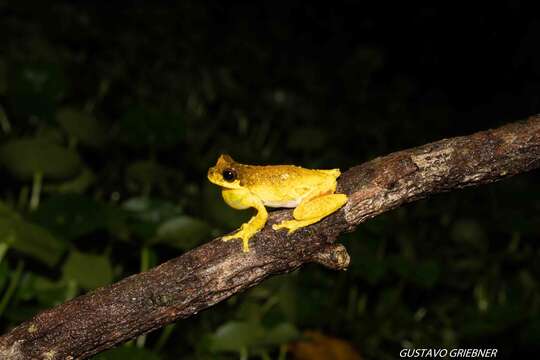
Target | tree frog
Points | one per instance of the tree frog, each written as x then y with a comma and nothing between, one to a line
311,192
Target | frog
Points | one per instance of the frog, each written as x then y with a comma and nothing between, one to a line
311,192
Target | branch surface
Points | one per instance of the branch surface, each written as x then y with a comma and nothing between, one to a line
211,273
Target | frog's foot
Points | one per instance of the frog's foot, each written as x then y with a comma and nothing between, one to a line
293,225
311,211
244,234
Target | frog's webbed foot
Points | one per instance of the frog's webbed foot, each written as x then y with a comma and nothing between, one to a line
312,211
244,234
293,225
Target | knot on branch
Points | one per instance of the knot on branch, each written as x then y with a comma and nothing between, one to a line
13,351
333,256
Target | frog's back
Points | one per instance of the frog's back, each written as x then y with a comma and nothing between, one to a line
332,172
286,185
283,175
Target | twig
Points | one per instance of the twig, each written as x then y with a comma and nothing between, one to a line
213,272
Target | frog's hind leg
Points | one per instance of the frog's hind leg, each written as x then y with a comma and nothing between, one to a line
312,210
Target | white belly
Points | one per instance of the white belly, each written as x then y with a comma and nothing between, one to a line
282,204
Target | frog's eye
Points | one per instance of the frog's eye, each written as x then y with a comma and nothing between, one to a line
229,174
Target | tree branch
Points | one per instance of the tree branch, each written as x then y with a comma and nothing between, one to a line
213,272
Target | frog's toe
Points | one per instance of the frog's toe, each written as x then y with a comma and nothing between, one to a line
293,225
240,235
293,229
290,225
229,237
278,226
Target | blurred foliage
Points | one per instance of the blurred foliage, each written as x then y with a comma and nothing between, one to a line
111,115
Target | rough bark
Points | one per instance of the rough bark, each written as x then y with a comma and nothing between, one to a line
213,272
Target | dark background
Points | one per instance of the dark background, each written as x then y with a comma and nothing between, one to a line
110,115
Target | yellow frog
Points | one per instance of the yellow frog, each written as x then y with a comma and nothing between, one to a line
310,192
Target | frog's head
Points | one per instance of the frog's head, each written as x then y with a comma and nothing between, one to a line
225,173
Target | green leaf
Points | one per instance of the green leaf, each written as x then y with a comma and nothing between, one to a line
427,273
497,318
21,312
82,126
27,156
148,127
34,89
288,303
183,232
29,238
401,266
470,232
50,293
117,222
40,79
6,211
145,173
71,215
87,270
4,272
78,184
235,335
281,334
143,230
371,268
144,215
127,352
47,292
390,299
151,210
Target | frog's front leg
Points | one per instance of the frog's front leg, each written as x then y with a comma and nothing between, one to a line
312,210
243,199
